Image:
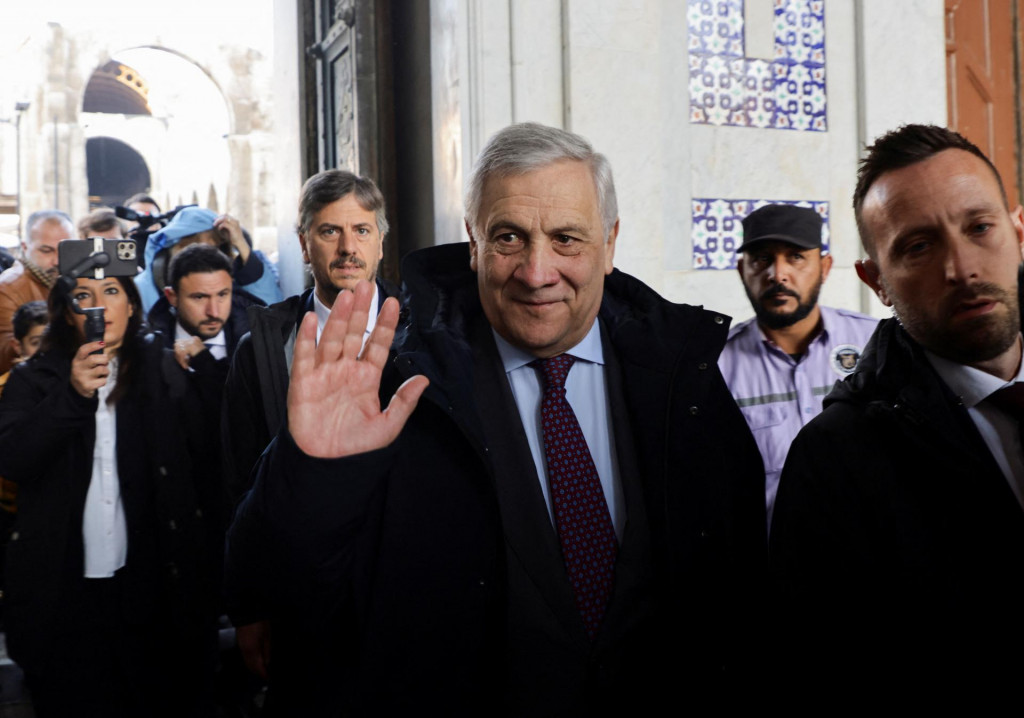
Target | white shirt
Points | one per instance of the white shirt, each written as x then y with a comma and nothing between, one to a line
997,428
104,531
217,345
587,394
322,311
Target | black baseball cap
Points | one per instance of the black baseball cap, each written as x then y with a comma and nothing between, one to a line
782,223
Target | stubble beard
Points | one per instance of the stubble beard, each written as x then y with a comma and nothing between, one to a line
974,340
196,330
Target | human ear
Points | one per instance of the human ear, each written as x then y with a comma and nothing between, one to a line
869,273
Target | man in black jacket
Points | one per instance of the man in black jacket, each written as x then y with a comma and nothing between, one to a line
898,530
200,309
453,554
342,224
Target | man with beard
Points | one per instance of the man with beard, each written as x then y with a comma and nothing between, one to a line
200,309
32,275
898,536
780,364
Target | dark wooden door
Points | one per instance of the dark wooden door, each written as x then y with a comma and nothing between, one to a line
348,112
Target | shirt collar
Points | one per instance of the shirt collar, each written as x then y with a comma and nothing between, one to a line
322,311
972,385
181,333
589,349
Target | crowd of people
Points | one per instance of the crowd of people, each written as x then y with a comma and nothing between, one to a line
525,484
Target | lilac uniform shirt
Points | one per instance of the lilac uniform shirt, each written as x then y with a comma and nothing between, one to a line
778,394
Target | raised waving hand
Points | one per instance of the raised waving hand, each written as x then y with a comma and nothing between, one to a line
333,398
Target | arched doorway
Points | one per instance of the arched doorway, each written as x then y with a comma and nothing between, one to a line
115,171
169,114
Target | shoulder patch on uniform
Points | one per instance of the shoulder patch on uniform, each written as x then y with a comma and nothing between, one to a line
844,359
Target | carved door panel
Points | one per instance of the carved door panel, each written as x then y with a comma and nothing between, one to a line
983,82
348,112
334,56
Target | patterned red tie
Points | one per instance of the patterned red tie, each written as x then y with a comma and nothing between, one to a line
581,512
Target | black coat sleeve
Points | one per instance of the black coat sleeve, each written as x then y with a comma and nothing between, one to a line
244,433
39,412
292,534
835,575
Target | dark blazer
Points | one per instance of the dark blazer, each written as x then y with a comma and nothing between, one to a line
896,544
434,581
257,385
171,497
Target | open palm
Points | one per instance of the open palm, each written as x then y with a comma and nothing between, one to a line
333,398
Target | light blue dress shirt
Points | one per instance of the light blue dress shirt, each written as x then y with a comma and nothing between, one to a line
588,396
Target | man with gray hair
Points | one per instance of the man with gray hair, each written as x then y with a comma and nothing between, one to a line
32,276
535,524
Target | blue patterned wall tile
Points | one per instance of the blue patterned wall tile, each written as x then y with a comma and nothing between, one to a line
718,228
727,88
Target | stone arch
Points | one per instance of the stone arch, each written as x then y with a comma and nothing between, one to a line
193,64
168,108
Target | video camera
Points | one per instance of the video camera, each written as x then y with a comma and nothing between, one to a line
103,258
147,224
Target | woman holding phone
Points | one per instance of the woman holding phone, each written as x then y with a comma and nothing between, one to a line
114,564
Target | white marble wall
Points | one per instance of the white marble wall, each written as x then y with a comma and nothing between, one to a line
616,71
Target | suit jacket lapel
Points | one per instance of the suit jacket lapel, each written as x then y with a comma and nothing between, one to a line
632,565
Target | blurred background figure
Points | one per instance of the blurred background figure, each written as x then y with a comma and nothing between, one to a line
29,326
142,204
101,222
33,274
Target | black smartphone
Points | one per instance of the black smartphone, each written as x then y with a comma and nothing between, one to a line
123,253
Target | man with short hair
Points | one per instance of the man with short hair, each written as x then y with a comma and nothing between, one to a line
101,222
535,525
781,364
33,274
199,309
342,224
899,529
